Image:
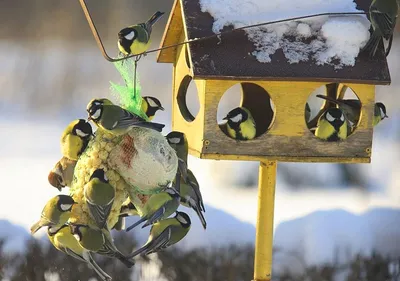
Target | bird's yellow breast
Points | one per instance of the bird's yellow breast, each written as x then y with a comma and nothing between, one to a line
247,130
71,146
64,239
138,47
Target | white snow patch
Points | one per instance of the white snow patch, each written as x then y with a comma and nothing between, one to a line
337,43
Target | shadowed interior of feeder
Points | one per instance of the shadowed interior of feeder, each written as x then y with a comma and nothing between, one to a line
188,99
254,98
318,105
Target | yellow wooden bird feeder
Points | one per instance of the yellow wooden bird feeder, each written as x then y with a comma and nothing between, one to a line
216,64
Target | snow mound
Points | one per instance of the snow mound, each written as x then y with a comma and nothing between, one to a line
334,40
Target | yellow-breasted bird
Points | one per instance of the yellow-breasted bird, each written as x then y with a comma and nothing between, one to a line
99,195
164,234
56,212
63,240
241,125
352,109
159,206
75,138
136,39
332,125
115,119
98,241
150,105
62,174
178,141
191,196
383,16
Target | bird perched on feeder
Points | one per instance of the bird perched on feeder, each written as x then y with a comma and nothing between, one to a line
332,125
240,124
383,16
150,105
56,212
136,39
191,196
98,241
158,206
115,119
99,196
75,138
352,109
63,240
62,173
164,234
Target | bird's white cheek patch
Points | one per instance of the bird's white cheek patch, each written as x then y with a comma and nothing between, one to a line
152,103
81,134
181,220
174,140
130,35
237,118
65,207
329,117
96,115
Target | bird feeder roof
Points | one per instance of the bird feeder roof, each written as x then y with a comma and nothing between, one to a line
230,58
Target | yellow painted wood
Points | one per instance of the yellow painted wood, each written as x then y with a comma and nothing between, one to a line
171,35
265,221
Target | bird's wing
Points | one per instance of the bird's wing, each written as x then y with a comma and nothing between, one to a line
182,168
160,242
384,21
126,119
195,185
73,254
157,215
100,213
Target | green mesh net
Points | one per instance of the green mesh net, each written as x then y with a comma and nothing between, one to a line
126,94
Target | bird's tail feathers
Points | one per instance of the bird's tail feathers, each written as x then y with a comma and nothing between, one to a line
372,45
127,261
389,47
328,98
136,224
150,125
154,18
139,251
34,228
102,274
200,215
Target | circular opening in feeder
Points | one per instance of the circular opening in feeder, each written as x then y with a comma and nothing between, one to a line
188,99
252,97
336,96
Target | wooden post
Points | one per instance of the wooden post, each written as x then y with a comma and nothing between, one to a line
265,221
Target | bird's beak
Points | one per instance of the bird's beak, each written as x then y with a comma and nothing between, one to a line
225,118
385,116
161,108
89,119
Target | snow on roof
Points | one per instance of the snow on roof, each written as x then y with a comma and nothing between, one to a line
334,40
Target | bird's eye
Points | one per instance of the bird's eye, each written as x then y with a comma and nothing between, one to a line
329,117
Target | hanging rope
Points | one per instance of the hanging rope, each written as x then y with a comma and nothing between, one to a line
107,57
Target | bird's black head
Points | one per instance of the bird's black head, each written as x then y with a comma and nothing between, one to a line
128,34
183,219
172,192
236,116
175,137
76,231
335,117
99,174
82,129
65,203
95,110
382,110
153,103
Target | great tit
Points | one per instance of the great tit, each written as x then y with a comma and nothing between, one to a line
150,105
56,212
62,174
158,206
99,195
115,119
383,16
164,234
75,138
241,125
191,197
98,241
332,125
135,39
178,141
63,240
352,109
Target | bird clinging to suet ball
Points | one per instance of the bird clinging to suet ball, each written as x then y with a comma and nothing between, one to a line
62,174
56,212
75,138
99,195
98,241
383,16
150,105
63,240
164,234
159,206
240,124
115,119
178,141
332,125
136,39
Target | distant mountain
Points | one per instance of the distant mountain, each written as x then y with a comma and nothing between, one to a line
15,235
